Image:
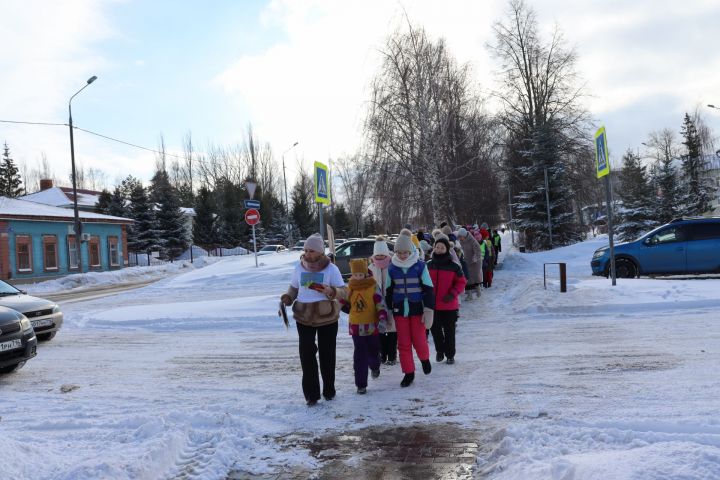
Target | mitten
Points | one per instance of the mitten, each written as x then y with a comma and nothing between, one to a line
428,315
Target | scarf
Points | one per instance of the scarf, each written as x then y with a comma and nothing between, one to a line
360,284
317,266
441,259
411,260
381,264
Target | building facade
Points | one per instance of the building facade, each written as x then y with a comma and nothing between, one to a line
38,241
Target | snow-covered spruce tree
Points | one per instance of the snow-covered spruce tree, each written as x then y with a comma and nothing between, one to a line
696,190
204,228
303,207
118,203
667,193
104,201
531,204
10,181
635,215
342,222
143,236
231,227
170,219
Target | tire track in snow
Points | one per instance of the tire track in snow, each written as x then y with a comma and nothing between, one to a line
195,457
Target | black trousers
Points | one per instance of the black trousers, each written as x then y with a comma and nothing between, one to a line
326,340
443,331
388,346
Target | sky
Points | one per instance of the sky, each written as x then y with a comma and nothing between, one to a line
300,70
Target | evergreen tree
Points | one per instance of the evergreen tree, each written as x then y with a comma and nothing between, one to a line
342,223
10,182
697,192
231,226
303,206
103,203
545,152
170,218
143,236
635,216
118,201
204,228
664,179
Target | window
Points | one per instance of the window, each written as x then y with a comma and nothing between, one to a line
113,251
73,260
50,257
94,251
706,231
23,249
668,235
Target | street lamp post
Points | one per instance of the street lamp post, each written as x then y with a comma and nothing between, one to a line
78,225
713,106
287,205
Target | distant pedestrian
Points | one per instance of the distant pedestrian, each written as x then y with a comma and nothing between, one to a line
315,285
473,258
379,263
488,256
497,243
410,293
367,318
448,283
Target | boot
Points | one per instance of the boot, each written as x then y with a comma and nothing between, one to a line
439,357
427,367
468,296
362,390
375,373
477,293
407,379
450,361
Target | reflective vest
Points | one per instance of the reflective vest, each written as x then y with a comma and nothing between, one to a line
407,285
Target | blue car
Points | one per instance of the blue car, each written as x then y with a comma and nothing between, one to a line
683,246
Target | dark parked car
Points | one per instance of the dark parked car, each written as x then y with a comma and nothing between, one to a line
362,248
683,246
17,340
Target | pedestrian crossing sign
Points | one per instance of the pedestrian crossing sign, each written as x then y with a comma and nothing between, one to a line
602,161
322,186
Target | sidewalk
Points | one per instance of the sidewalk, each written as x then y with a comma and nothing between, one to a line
434,451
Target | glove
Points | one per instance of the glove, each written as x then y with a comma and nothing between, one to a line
428,315
448,297
286,299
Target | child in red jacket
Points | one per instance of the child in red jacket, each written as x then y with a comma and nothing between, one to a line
448,282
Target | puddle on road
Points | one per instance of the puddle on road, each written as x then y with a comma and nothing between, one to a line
437,451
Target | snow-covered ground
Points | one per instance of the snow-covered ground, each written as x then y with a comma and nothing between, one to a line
196,373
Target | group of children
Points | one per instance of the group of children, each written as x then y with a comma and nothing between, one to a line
395,300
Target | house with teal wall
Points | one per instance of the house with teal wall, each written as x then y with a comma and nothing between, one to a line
38,240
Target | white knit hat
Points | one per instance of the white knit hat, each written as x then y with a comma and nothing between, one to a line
462,233
315,243
380,247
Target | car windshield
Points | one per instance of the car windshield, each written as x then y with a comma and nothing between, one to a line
7,289
269,248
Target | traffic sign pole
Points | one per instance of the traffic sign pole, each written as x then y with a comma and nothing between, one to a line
255,246
252,217
602,164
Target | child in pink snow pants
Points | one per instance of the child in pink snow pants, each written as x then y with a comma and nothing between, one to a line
410,293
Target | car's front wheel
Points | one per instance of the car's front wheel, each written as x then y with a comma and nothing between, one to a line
625,268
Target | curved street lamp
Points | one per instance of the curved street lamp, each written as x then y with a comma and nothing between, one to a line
78,225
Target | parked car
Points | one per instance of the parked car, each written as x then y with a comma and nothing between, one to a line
362,248
45,316
683,246
298,247
268,249
18,343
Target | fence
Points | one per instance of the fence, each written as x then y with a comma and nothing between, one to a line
143,259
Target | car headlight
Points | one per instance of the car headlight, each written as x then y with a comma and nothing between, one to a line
56,309
599,253
26,325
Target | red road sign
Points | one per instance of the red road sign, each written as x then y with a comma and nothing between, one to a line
252,217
